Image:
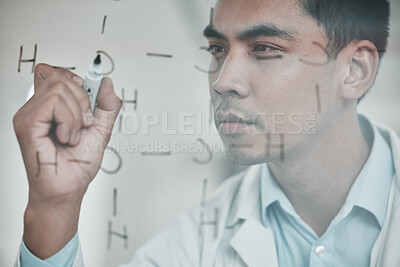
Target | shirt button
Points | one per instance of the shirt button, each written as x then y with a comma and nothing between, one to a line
320,251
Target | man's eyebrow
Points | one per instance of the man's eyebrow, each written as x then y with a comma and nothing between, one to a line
210,32
268,30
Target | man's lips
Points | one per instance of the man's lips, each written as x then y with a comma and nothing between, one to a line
231,118
229,123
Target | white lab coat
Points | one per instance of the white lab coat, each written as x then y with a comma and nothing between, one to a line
241,238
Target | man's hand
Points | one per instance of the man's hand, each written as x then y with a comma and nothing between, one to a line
62,144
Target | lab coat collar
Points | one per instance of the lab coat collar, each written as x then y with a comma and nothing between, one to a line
255,244
393,141
385,250
252,234
247,200
372,186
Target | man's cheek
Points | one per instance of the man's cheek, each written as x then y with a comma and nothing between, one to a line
278,123
294,123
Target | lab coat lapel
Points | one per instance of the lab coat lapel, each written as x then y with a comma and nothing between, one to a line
386,248
390,251
253,241
255,244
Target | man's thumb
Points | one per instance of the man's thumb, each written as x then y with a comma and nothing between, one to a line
108,106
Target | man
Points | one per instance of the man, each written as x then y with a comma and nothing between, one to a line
326,198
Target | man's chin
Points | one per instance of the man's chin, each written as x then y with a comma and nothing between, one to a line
242,157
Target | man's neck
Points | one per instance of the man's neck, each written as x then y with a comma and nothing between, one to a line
318,178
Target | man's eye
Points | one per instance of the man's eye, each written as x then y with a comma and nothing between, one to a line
263,48
216,50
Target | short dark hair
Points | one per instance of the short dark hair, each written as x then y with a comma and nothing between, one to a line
346,21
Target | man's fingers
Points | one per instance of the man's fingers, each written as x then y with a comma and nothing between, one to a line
64,118
72,83
76,111
66,113
42,71
34,120
108,106
59,105
107,99
68,87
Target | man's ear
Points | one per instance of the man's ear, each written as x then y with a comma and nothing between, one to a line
360,64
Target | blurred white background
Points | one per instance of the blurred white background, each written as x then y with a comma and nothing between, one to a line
152,190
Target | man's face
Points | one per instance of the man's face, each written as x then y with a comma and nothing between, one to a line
270,79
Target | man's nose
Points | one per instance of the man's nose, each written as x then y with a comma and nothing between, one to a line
233,78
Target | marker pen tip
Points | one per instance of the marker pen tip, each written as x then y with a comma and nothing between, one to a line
97,60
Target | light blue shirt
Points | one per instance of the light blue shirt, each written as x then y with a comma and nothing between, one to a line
348,240
351,234
65,257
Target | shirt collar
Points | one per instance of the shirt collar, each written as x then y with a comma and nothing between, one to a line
370,190
270,189
271,192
